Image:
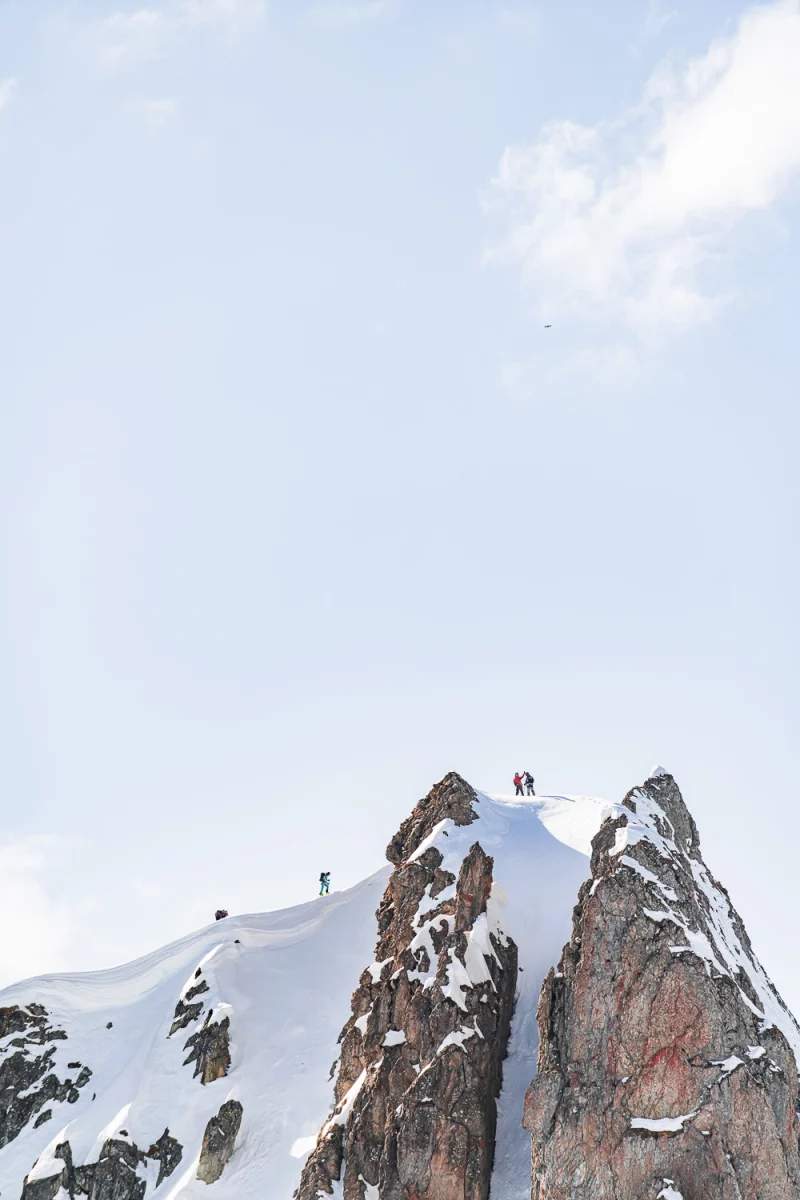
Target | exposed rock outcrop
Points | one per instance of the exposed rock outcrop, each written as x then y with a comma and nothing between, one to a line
421,1056
665,1065
209,1046
219,1141
210,1049
167,1152
113,1177
28,1079
188,1008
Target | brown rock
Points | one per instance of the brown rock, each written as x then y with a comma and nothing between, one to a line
210,1049
421,1056
450,797
653,1065
219,1141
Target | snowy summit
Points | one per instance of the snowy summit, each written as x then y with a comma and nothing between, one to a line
241,1058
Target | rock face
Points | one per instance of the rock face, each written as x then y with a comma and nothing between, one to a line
210,1050
665,1064
209,1046
114,1175
122,1171
27,1079
188,1008
219,1141
421,1056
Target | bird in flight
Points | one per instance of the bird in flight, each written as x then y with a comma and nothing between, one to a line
548,326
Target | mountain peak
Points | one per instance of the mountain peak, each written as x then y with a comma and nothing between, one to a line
656,1059
661,1029
452,798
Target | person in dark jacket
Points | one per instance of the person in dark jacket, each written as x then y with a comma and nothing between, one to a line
529,784
324,883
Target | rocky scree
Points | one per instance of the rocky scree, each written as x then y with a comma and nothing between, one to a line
421,1055
665,1065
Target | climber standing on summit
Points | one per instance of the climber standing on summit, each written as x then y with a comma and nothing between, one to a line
325,883
518,785
529,784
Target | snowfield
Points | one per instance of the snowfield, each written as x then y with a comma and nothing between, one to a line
285,979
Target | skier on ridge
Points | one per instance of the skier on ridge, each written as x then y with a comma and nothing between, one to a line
324,883
518,785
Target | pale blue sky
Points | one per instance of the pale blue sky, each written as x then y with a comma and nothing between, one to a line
301,504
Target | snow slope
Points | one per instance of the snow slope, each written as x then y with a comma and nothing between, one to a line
285,981
288,984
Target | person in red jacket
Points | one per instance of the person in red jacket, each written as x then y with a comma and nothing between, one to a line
518,785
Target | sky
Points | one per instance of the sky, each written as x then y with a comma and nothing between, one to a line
387,388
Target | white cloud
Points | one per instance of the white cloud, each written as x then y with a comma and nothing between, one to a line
521,21
156,112
657,18
7,89
623,221
39,930
335,15
232,15
129,37
585,375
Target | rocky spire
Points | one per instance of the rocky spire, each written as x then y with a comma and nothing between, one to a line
420,1063
666,1064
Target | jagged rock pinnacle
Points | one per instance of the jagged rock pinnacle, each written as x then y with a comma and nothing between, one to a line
421,1057
664,1049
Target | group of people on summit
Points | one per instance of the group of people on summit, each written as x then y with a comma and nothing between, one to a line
523,784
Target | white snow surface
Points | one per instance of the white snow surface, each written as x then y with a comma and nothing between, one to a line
662,1124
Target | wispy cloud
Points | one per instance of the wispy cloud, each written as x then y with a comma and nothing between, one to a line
584,375
7,89
657,18
520,21
130,37
156,113
332,14
39,936
124,38
622,221
232,15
